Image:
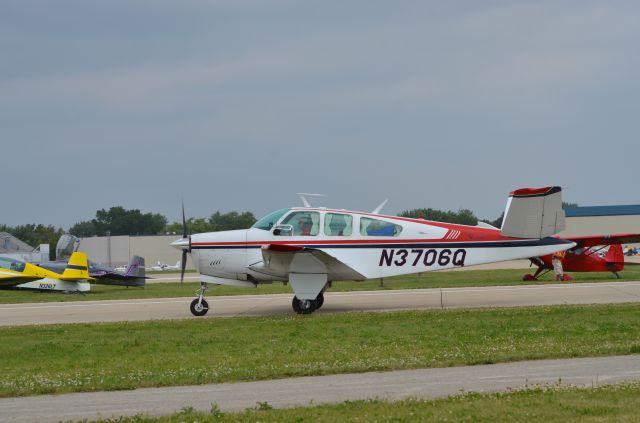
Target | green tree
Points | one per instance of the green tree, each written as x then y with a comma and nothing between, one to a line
462,216
83,229
232,220
119,221
216,222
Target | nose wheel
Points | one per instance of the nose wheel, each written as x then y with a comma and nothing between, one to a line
200,306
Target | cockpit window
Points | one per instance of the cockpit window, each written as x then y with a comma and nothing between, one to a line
375,227
11,264
269,221
338,224
301,223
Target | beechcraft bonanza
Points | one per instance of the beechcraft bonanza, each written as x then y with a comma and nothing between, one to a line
311,247
74,277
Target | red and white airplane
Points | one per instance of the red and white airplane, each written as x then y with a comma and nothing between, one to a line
311,247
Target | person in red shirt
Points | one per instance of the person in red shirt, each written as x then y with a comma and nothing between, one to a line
305,225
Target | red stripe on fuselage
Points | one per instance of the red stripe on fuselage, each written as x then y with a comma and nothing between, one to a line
347,242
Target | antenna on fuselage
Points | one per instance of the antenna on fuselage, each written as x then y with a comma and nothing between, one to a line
378,209
303,196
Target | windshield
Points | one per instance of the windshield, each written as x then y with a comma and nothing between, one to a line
11,264
269,221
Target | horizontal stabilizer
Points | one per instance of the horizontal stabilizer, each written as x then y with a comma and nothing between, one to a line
533,213
485,225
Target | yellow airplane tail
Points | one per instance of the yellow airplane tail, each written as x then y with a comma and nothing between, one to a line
77,268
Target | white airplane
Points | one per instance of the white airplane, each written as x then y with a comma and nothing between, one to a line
312,247
162,266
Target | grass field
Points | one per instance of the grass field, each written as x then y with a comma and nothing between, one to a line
444,279
616,403
87,357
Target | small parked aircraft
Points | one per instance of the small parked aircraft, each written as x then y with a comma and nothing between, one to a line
591,254
133,275
164,267
311,247
73,278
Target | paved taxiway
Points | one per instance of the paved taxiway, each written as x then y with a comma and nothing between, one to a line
261,305
421,383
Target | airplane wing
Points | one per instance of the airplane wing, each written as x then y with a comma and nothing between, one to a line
105,274
592,241
280,260
12,279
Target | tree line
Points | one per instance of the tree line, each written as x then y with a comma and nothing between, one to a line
461,217
118,221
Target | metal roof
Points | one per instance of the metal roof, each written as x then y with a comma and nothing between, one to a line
603,211
11,244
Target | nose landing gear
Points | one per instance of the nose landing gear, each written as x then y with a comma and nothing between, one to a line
200,306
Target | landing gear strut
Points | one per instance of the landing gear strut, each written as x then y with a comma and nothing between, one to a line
200,306
307,306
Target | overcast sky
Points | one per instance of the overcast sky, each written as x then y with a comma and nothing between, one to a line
238,105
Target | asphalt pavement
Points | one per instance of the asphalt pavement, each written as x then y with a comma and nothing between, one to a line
305,391
280,304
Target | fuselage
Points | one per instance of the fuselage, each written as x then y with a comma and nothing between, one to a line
374,246
589,260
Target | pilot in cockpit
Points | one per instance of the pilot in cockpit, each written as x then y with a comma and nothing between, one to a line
304,226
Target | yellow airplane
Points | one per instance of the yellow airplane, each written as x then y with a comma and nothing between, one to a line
18,274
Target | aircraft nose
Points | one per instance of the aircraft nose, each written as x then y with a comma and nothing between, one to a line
181,244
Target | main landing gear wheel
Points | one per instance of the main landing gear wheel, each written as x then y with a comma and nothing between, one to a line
307,306
199,307
303,306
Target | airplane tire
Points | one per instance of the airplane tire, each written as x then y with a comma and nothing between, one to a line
303,306
319,301
199,309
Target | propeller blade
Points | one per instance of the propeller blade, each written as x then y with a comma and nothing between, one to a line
184,223
183,265
183,262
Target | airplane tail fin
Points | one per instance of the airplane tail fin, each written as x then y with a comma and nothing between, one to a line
533,213
77,268
136,267
614,255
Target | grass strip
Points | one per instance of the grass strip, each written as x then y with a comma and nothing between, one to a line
445,279
556,404
109,356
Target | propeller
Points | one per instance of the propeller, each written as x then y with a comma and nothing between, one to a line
183,262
